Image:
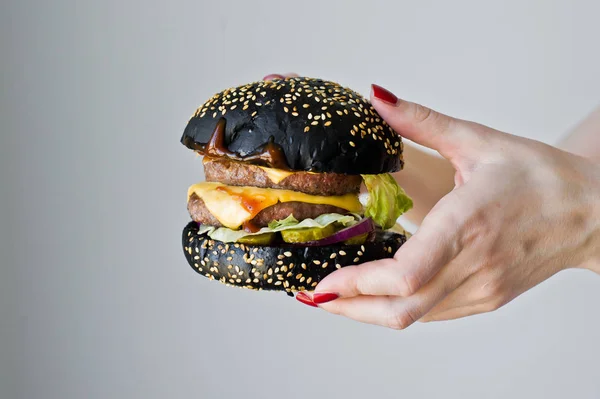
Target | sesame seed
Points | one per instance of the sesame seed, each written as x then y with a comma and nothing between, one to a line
287,253
342,253
306,129
303,266
352,144
309,116
285,109
356,260
305,105
280,262
338,266
328,123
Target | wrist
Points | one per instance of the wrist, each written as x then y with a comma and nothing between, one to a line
593,262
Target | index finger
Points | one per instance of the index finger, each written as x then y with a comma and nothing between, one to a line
432,247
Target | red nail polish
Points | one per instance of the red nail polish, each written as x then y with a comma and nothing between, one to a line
305,299
384,94
324,297
273,76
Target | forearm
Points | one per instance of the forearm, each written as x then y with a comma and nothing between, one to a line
584,139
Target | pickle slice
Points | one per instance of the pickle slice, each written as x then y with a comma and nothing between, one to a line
357,240
307,234
259,239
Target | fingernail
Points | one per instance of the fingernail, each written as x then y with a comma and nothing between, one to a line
324,297
302,297
273,76
384,94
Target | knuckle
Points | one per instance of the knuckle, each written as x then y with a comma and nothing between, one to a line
491,289
399,320
494,305
421,113
409,285
424,115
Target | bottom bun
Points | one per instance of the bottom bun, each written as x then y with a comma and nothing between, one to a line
279,268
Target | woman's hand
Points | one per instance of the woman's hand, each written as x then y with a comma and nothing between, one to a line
520,212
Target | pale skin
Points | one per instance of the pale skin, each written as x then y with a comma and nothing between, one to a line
497,214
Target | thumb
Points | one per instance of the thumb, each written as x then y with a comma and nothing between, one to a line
449,136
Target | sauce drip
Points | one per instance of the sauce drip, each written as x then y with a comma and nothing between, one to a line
250,204
250,227
269,154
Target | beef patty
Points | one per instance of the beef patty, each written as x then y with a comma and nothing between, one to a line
301,210
241,174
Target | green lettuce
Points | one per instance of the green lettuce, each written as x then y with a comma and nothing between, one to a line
387,200
228,235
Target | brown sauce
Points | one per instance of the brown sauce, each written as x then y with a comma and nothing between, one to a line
250,227
250,204
269,154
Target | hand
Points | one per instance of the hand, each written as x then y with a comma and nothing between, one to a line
520,212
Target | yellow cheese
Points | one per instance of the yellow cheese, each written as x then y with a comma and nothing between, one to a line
276,175
232,206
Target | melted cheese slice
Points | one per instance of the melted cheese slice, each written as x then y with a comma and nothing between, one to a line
232,206
276,175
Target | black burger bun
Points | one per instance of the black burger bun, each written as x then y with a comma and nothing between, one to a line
320,126
279,268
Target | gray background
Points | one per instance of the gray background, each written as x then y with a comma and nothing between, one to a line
96,299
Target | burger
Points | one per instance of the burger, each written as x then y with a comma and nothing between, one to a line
285,163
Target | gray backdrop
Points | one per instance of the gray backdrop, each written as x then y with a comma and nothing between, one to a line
96,298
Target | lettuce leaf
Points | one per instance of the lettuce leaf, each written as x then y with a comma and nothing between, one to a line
387,200
228,235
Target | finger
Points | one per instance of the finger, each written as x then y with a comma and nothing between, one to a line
465,311
280,76
449,136
476,289
397,312
433,246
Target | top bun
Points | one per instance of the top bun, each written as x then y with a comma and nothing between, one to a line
320,126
